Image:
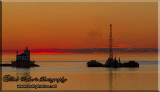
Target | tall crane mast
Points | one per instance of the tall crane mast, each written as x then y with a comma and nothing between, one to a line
110,43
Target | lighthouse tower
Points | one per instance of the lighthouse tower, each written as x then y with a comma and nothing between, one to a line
23,56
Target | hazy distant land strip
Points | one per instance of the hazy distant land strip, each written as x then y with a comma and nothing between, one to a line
87,50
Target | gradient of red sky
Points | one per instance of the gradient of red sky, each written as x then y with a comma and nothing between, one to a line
79,25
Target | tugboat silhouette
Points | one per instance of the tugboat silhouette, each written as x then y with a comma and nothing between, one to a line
112,62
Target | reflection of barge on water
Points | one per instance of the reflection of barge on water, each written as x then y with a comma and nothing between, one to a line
112,62
22,60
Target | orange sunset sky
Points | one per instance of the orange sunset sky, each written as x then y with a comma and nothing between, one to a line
79,25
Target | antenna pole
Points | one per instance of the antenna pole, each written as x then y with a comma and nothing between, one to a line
110,43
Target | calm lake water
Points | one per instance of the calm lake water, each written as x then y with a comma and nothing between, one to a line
79,77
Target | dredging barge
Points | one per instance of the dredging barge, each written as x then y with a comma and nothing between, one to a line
22,60
112,62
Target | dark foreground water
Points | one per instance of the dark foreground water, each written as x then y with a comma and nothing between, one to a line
80,77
